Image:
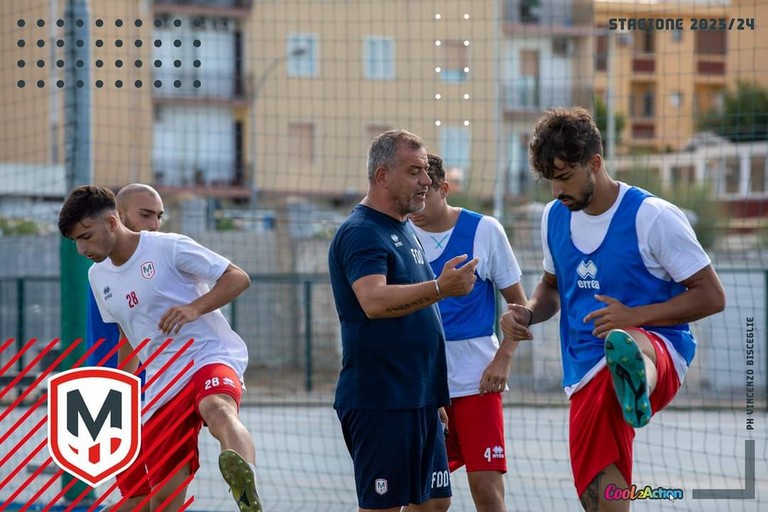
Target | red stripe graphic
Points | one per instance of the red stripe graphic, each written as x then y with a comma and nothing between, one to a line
16,402
180,488
45,487
181,464
44,396
29,367
18,355
21,466
175,379
21,443
148,449
25,443
47,371
5,345
187,504
39,402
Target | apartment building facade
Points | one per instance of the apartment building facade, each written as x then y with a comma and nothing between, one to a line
661,79
239,99
547,48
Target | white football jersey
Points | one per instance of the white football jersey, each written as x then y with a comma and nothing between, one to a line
468,359
167,270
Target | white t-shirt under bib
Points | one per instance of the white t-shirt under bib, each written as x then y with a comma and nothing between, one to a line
667,244
468,359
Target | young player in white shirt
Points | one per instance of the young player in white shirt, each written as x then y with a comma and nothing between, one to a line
154,286
140,208
478,365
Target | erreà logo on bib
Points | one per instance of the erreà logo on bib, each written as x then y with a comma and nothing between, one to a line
587,271
94,422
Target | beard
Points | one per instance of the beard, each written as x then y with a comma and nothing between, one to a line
408,205
577,205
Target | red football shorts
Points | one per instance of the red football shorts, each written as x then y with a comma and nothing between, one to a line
181,415
476,433
598,434
134,476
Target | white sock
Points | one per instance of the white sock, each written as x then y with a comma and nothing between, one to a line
253,468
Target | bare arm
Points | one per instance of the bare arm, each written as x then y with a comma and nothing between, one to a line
704,296
381,300
513,295
232,283
545,301
495,375
542,306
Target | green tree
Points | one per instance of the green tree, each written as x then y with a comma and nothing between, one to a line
601,120
744,116
19,227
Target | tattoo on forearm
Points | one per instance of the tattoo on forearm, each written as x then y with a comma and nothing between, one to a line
590,499
405,307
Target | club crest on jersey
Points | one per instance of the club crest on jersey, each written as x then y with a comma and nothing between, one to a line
381,486
396,239
148,270
587,271
107,293
94,422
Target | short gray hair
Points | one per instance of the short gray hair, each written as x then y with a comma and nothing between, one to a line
384,148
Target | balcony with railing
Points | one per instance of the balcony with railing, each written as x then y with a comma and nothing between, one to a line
642,115
538,12
233,8
534,97
547,16
642,129
710,69
207,86
204,173
644,64
711,51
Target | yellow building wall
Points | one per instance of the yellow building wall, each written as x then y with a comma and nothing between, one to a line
748,49
343,103
675,71
33,128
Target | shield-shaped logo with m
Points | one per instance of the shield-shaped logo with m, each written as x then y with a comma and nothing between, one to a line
148,270
94,422
381,486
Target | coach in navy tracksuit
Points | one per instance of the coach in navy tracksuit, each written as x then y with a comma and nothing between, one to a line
393,378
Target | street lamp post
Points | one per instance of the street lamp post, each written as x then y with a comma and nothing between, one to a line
611,138
610,100
258,84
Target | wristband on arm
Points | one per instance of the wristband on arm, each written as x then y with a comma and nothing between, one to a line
530,318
